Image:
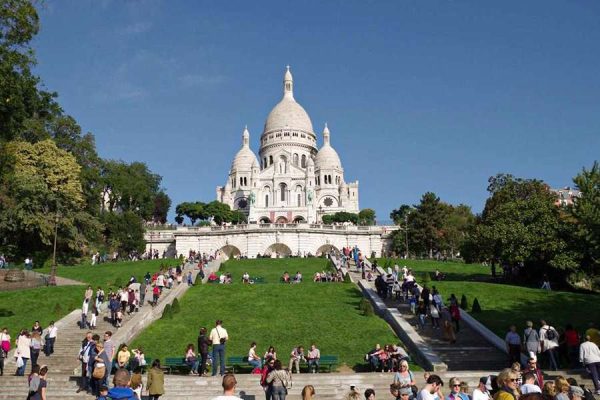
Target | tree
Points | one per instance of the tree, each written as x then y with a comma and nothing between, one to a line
519,224
366,217
399,215
340,217
130,187
220,212
426,223
162,203
39,186
458,223
124,232
586,212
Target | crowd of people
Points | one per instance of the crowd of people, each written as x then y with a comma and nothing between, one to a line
29,344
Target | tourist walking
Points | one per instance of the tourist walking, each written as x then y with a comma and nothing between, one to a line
266,370
529,385
50,338
155,384
404,378
572,343
531,339
280,379
589,356
42,385
532,367
218,337
513,345
549,344
23,351
101,369
36,346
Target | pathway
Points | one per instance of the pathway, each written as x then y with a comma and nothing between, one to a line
470,352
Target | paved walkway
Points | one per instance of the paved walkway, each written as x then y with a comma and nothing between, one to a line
470,352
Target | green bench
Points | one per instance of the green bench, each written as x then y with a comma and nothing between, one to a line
177,364
326,362
238,363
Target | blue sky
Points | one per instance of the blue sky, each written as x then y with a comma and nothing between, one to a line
419,95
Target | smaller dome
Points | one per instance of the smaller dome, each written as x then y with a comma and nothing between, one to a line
245,159
327,157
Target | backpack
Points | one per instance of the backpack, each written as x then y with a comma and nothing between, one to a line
550,334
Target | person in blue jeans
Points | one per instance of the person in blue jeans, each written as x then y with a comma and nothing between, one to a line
253,358
218,337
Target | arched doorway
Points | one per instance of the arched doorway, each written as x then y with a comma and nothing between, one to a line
327,249
278,250
229,251
264,220
281,220
299,219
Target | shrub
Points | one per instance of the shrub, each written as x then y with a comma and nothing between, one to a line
167,312
464,304
198,279
363,304
426,278
476,307
368,311
57,310
175,307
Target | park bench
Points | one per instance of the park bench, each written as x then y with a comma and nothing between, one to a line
326,362
177,364
238,363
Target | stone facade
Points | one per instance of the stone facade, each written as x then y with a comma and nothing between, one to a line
292,180
273,240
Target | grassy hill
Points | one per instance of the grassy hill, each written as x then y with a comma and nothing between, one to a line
273,313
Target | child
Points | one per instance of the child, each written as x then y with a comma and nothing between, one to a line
103,393
136,382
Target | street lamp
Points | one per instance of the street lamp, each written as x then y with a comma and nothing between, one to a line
52,280
406,234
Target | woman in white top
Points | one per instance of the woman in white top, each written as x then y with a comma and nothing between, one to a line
253,358
23,350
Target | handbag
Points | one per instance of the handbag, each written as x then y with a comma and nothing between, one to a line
20,362
99,370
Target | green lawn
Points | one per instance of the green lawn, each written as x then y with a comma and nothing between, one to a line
20,308
503,305
110,274
273,313
454,270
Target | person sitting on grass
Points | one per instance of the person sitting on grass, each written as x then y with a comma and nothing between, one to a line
212,277
317,277
121,391
298,277
246,278
285,278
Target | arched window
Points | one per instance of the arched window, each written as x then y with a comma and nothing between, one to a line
245,181
282,189
295,159
303,160
241,181
270,160
299,199
265,163
266,200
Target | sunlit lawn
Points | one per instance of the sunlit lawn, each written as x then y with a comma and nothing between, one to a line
273,313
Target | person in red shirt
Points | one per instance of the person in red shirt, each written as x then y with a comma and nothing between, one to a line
572,343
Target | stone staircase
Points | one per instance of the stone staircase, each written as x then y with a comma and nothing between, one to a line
471,351
182,387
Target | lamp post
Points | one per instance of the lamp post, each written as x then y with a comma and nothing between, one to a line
406,234
52,280
151,240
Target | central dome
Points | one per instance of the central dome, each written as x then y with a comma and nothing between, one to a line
288,114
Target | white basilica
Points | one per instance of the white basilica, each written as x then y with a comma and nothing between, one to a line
292,180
